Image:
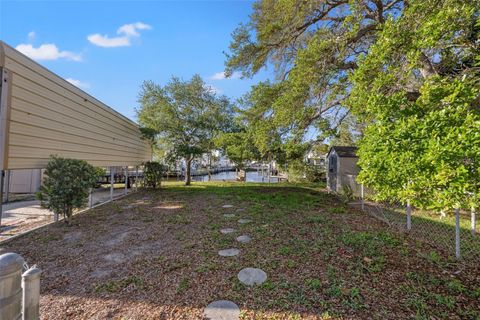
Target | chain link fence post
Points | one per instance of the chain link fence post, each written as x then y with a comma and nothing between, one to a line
126,180
409,216
362,194
457,233
136,178
474,221
90,198
111,183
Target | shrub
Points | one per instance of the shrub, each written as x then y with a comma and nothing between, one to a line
66,185
153,173
314,173
299,171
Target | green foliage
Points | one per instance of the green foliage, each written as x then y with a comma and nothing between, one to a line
238,146
313,47
184,116
99,172
314,173
419,90
66,185
152,174
300,171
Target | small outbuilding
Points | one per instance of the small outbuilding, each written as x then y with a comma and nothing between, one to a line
342,170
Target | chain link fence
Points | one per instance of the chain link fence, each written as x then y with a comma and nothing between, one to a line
452,234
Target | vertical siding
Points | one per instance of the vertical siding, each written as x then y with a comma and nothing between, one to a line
50,116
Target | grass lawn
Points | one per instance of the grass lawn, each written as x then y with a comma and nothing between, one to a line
153,255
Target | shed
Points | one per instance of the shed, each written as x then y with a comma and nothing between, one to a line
342,169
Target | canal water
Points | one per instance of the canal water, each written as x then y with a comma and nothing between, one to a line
252,176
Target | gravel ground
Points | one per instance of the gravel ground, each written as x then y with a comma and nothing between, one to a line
154,255
21,216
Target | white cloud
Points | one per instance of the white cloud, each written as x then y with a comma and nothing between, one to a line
47,51
131,29
78,83
125,32
106,42
222,76
31,35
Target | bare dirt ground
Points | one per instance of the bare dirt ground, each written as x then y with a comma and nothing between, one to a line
23,215
153,255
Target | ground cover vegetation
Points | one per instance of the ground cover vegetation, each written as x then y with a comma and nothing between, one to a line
324,260
400,78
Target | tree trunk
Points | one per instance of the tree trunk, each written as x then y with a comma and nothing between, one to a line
209,167
187,172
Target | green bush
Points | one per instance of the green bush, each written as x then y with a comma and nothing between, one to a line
299,171
66,186
314,173
153,173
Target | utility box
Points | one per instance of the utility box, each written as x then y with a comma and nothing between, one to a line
11,266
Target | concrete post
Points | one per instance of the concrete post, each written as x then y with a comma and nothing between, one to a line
409,216
457,233
126,179
11,265
31,294
111,183
474,221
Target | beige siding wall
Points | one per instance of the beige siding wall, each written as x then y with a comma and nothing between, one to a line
49,116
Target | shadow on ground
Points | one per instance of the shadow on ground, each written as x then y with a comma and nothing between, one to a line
153,255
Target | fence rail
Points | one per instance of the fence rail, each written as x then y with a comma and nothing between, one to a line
452,234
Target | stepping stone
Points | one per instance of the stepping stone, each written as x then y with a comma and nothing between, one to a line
244,221
244,239
227,206
240,209
229,252
229,215
227,230
252,276
222,310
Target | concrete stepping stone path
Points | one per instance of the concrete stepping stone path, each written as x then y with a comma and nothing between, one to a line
222,310
227,206
244,221
252,276
227,230
229,215
244,239
229,252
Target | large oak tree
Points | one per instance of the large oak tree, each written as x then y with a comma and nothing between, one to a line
313,46
186,116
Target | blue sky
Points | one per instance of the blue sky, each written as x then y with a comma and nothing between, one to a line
108,48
